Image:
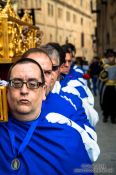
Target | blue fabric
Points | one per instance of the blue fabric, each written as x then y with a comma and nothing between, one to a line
58,104
82,91
73,75
54,149
55,103
76,74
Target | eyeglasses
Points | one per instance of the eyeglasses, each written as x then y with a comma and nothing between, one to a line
31,84
55,68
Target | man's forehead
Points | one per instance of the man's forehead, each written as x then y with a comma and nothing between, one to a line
68,56
24,68
41,58
38,56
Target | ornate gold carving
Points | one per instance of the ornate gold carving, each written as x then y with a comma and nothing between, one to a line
3,104
16,35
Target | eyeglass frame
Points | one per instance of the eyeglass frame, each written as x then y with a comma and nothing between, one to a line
55,67
11,83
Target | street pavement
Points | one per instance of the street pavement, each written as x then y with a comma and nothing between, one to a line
106,163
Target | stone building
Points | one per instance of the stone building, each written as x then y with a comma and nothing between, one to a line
106,25
64,21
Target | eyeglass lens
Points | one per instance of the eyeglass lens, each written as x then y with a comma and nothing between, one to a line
31,84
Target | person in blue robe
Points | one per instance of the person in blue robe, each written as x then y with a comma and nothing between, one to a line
31,144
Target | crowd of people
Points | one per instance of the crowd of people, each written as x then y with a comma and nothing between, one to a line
107,86
102,81
52,119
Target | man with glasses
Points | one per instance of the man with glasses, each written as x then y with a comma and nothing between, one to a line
29,144
24,85
43,59
57,56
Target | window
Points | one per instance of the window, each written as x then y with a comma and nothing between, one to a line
81,2
51,38
50,10
74,18
38,3
59,13
81,21
108,38
68,16
25,4
82,39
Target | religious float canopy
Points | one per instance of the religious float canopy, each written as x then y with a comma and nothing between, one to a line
16,36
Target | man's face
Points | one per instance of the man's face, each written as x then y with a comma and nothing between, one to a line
46,65
65,68
111,60
24,101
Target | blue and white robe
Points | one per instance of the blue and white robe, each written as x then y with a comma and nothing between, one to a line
59,109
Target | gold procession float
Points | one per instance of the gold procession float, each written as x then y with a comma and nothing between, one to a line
16,36
3,104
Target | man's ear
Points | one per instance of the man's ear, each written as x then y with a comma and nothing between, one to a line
44,92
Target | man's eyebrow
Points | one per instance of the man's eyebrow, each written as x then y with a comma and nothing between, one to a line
15,78
20,79
32,79
47,70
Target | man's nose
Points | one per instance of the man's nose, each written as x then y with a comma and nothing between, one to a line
52,75
24,89
67,63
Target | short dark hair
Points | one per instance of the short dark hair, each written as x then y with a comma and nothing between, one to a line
69,48
26,60
72,47
109,53
66,49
